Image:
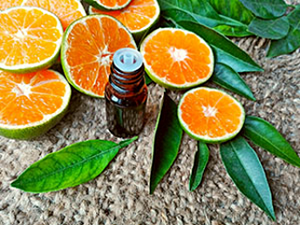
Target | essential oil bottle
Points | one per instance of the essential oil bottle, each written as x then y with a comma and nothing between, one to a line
126,94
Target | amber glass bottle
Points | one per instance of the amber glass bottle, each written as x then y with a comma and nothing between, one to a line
126,94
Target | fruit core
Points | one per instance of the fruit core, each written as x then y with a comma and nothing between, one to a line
22,89
178,54
20,35
209,111
104,57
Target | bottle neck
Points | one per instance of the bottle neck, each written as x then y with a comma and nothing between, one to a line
125,83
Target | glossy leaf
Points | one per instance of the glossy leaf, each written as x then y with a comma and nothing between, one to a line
233,31
266,9
226,51
263,134
167,140
202,12
271,29
69,167
246,171
200,162
291,42
232,10
231,80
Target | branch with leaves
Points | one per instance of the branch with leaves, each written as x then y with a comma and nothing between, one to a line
242,18
240,160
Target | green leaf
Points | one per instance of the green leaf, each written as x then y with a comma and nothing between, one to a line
246,171
200,162
266,9
202,12
226,51
263,134
293,17
231,80
69,167
148,79
194,10
291,42
271,29
232,31
168,23
167,140
235,11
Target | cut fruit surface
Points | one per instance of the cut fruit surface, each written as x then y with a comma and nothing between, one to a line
30,104
210,115
11,3
87,52
138,16
108,4
66,10
30,37
177,59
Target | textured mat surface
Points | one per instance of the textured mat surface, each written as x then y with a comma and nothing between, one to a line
120,194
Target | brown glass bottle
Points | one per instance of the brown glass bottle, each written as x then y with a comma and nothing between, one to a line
126,95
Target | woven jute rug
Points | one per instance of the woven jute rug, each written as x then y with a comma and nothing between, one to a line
120,194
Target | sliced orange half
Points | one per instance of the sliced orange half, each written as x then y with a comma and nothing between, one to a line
30,37
138,16
87,51
210,115
108,4
177,59
30,104
66,10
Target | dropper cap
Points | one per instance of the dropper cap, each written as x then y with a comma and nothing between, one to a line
128,60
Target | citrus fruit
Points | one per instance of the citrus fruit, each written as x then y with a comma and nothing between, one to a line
138,16
210,115
108,4
87,51
30,37
177,59
31,104
66,10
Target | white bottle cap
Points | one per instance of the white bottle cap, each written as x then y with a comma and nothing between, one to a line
128,60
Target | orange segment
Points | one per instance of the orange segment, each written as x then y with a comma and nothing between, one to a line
210,115
24,108
52,35
6,96
32,38
88,49
67,10
101,75
47,104
137,16
50,87
42,22
176,58
86,75
30,98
